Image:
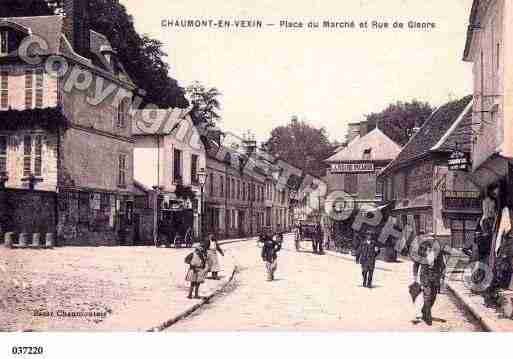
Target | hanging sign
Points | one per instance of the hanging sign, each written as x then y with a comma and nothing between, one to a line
459,161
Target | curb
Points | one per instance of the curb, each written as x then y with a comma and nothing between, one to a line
195,307
487,324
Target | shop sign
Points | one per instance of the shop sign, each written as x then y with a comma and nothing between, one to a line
352,167
459,161
460,200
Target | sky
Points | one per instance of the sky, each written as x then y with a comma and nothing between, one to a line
325,76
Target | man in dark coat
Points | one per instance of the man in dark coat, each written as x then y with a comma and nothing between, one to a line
367,253
430,264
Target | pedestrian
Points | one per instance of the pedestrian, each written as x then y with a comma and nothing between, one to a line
213,248
270,256
196,272
368,251
429,265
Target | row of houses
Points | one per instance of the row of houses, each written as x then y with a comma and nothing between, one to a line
457,168
99,173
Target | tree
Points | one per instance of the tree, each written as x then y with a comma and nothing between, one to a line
142,56
205,104
397,120
302,145
17,8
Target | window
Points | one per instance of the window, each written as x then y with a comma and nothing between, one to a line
3,153
233,188
177,165
39,88
194,169
243,191
4,42
122,113
122,168
221,186
227,187
498,52
27,156
29,88
238,189
4,89
38,151
367,154
351,183
34,84
211,183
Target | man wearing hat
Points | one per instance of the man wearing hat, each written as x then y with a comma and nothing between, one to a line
430,264
196,272
367,253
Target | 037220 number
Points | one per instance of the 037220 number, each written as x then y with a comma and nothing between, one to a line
36,350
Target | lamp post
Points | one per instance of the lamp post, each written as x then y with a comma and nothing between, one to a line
202,178
292,197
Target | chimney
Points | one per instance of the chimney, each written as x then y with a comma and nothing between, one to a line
363,128
353,131
249,144
76,25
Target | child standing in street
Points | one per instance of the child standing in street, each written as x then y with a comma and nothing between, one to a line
270,256
212,257
196,272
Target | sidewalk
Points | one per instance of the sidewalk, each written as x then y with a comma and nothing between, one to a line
98,288
491,319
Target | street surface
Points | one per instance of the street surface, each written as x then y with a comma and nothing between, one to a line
136,288
314,292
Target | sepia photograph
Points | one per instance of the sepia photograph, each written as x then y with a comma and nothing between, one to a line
255,167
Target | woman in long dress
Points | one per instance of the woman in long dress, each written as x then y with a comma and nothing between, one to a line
212,257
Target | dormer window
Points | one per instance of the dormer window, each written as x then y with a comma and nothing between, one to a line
367,153
4,42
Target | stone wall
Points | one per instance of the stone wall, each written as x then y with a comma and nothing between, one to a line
27,211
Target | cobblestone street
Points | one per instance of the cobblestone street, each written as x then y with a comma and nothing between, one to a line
135,287
319,293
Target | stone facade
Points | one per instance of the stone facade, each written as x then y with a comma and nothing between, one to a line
88,161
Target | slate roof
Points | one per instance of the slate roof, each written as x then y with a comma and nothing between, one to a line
431,132
381,147
50,29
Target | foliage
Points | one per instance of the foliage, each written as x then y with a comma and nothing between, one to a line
205,104
50,119
398,119
302,145
142,56
18,8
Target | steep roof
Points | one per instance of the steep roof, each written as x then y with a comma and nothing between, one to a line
376,143
50,30
431,132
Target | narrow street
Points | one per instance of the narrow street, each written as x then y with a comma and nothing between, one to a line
318,293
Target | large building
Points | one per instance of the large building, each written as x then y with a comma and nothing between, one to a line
52,129
418,179
489,48
354,169
167,160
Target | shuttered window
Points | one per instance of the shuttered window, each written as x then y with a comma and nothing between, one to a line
4,89
3,153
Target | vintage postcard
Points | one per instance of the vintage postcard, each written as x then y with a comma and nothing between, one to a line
190,166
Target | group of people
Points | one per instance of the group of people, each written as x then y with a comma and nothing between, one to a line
428,271
203,260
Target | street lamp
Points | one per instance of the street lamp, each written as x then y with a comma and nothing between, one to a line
202,178
292,197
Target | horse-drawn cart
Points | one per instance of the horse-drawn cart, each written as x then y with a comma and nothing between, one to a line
308,232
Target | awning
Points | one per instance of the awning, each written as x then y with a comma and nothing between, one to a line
491,171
